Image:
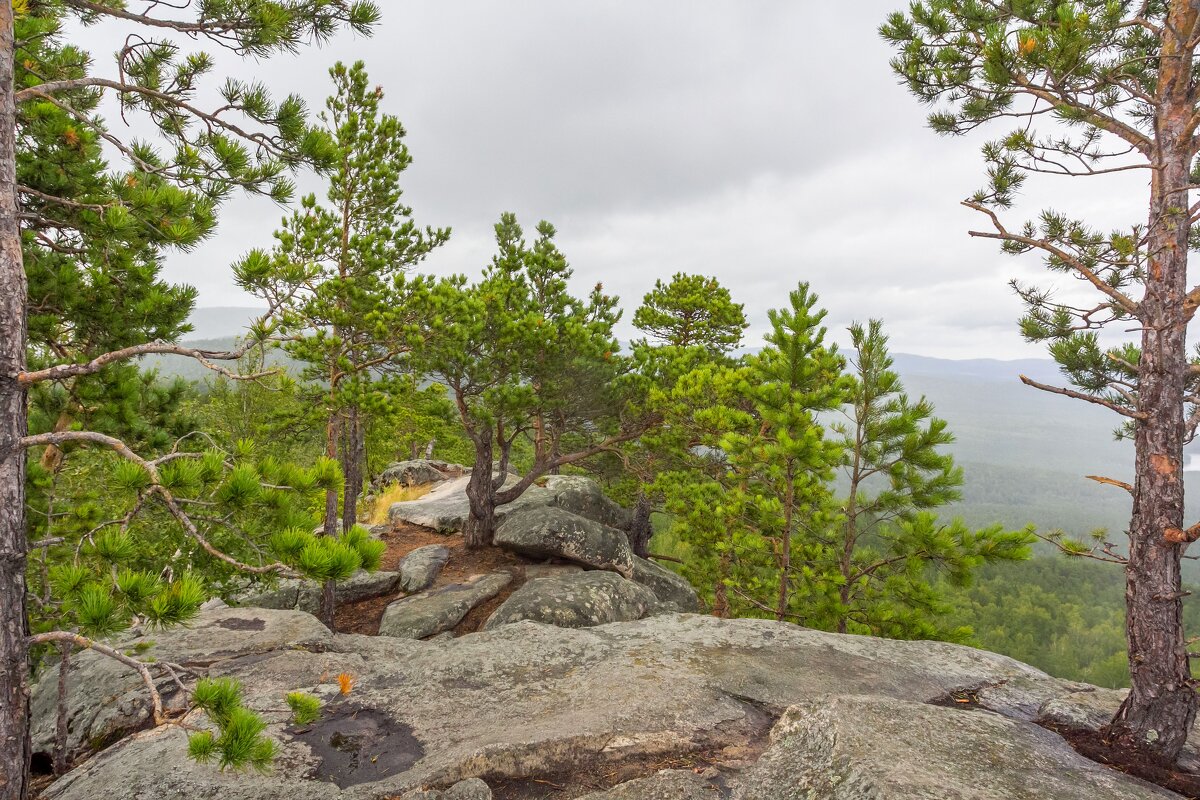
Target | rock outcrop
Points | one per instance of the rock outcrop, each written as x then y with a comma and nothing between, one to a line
757,710
445,507
439,610
576,600
672,590
418,472
552,532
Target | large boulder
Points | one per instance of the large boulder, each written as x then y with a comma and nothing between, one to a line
439,610
550,532
583,496
672,589
302,595
578,600
445,508
418,472
526,705
420,568
846,748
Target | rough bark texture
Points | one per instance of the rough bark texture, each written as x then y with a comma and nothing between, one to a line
640,530
481,496
353,457
1161,707
14,656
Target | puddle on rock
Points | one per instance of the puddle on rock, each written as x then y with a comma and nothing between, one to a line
358,745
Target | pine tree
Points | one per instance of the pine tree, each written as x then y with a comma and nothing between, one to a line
48,94
346,309
1117,79
526,361
876,569
691,311
687,321
757,482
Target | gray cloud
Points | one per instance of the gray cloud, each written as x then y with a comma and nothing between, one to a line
764,143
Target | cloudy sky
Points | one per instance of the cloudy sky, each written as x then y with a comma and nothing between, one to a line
764,143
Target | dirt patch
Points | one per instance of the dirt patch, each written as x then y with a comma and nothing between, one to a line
1096,746
364,616
357,745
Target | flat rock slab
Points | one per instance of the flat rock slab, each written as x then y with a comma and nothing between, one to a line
525,700
672,784
420,568
576,600
433,612
849,748
550,532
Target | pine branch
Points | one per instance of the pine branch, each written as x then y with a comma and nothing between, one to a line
205,357
156,487
1003,234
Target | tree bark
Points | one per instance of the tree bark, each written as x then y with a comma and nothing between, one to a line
14,648
720,590
640,529
1158,714
481,497
332,430
352,467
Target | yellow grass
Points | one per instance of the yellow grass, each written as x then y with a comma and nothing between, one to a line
395,494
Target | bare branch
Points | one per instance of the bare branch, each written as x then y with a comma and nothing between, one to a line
1100,401
85,643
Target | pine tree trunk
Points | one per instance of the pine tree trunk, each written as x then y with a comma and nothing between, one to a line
481,498
640,529
14,650
332,430
720,590
1161,706
352,468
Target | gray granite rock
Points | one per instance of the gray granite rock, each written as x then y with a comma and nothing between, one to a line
420,568
552,532
526,701
439,610
847,748
671,588
578,600
293,594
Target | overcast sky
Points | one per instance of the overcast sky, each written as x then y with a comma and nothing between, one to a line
762,142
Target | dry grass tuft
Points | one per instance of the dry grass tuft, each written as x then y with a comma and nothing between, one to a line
395,494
